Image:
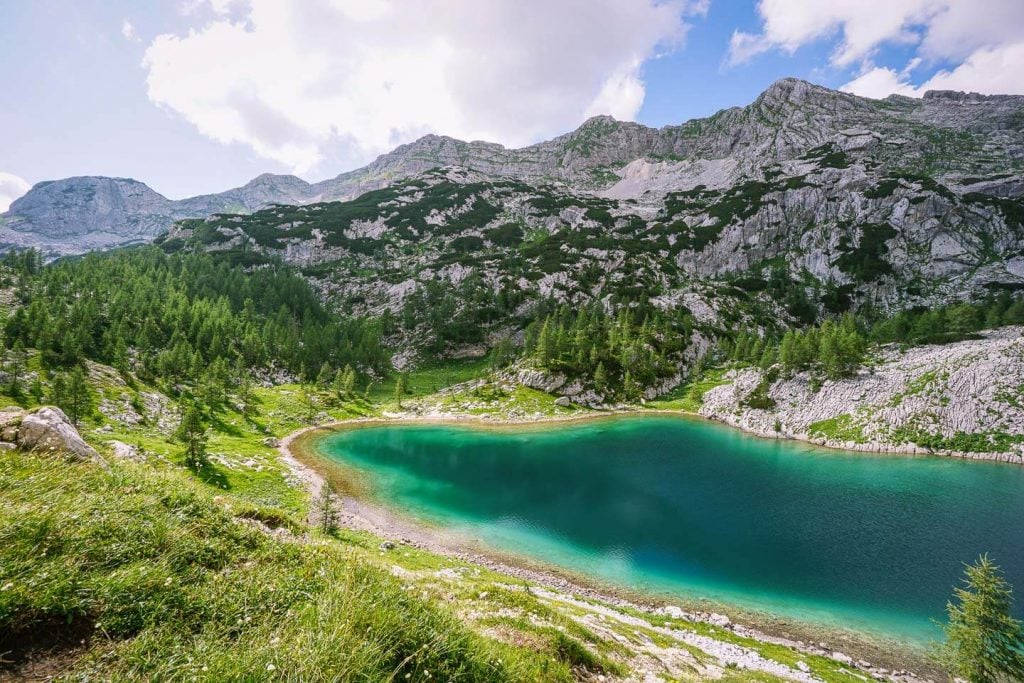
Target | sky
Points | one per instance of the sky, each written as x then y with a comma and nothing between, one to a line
198,96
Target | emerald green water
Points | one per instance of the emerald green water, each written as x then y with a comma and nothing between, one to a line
698,510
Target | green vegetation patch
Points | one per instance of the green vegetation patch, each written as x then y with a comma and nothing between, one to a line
961,442
866,262
839,428
163,581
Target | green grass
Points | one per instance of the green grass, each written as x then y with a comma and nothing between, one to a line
690,396
163,581
492,400
961,442
430,379
839,428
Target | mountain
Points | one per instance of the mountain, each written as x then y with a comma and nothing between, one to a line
808,202
950,137
80,214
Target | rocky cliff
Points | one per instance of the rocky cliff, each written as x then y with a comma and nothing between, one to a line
965,398
957,142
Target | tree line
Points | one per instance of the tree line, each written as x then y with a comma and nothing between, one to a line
185,317
838,347
618,354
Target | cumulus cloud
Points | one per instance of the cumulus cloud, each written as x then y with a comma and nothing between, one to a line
11,187
981,43
988,70
861,26
315,81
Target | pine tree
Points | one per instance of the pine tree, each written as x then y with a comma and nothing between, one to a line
16,368
58,391
629,385
36,389
193,434
325,510
79,398
983,642
338,384
545,343
323,379
788,350
244,383
600,378
399,389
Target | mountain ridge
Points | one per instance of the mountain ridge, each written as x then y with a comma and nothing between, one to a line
78,214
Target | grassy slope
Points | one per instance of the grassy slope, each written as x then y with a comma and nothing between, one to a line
165,575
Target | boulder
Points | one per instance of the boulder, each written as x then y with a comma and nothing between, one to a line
126,451
563,401
10,419
50,429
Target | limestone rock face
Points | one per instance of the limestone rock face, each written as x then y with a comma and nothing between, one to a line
967,142
50,429
926,394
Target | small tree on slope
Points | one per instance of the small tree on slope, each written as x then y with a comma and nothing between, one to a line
193,434
984,644
326,510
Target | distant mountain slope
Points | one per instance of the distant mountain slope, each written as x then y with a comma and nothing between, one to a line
952,138
76,215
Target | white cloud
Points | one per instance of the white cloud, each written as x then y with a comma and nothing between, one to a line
861,25
333,82
980,40
128,31
998,70
11,187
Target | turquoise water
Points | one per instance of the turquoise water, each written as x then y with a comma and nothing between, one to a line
698,510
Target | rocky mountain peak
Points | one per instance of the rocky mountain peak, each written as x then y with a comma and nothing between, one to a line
943,134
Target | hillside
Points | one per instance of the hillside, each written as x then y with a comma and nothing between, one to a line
188,545
130,565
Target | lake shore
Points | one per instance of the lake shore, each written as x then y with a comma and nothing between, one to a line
361,510
728,419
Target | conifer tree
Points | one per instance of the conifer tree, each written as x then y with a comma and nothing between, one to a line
600,378
193,434
16,368
58,391
79,398
323,378
399,389
326,511
984,643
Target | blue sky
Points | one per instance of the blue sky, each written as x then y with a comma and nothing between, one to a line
195,96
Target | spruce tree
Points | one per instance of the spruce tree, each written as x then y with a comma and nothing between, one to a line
984,643
399,389
79,398
600,378
16,368
193,434
325,510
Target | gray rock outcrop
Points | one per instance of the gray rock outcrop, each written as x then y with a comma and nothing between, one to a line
955,137
49,429
927,399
